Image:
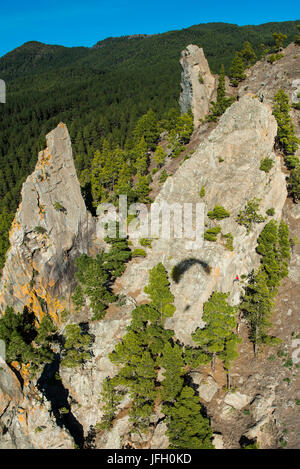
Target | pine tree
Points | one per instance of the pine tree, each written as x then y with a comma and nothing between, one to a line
257,308
286,137
159,156
248,55
187,428
159,291
76,347
217,337
219,107
184,127
294,183
237,70
279,39
172,362
249,215
147,127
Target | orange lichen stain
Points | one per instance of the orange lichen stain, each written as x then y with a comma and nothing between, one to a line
34,295
14,226
61,124
23,369
41,211
216,273
22,416
25,373
16,365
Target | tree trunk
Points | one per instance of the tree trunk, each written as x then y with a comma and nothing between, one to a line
213,363
228,379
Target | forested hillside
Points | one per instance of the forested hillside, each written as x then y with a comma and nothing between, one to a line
100,93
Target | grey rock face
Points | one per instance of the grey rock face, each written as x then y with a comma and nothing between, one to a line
197,83
50,229
237,400
85,384
244,136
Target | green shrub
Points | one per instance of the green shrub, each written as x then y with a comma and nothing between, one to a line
274,57
146,242
76,347
139,253
249,216
218,213
202,192
211,234
59,207
163,176
266,165
270,212
40,230
229,241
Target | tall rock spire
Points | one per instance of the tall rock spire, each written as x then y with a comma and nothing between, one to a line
50,229
197,83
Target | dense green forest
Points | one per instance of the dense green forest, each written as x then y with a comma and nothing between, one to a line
101,93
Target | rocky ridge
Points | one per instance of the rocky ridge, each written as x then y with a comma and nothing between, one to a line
228,157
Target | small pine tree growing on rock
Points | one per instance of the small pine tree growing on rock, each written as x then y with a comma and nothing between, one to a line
217,338
222,103
159,156
237,70
249,215
248,55
286,137
159,291
294,183
187,428
279,39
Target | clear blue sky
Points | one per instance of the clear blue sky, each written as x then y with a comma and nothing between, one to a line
74,23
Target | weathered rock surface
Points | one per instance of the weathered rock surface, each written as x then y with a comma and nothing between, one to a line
237,400
85,384
197,83
265,79
207,386
50,229
244,136
25,420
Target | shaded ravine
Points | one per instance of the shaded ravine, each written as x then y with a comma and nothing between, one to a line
52,388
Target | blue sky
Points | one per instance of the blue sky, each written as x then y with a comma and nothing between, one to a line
74,23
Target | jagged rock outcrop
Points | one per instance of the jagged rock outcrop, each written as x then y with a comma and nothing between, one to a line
50,229
227,165
265,79
197,83
25,419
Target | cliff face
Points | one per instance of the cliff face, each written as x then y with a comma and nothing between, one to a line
227,165
197,83
50,229
40,266
265,79
25,419
244,136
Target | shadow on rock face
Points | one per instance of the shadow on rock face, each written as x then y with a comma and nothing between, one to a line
182,267
52,388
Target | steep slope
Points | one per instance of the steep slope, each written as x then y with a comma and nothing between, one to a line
243,137
227,165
